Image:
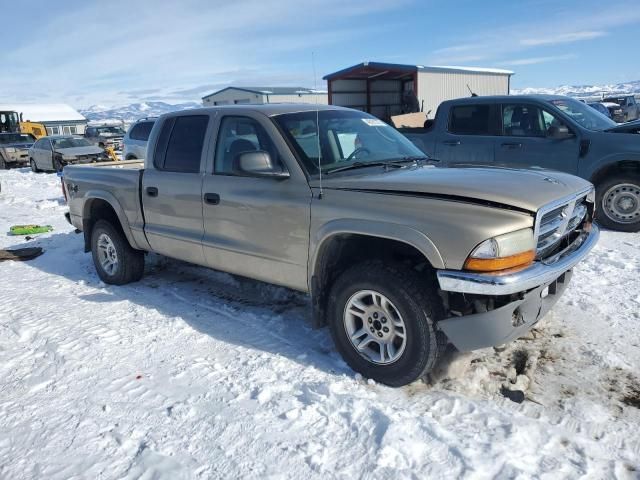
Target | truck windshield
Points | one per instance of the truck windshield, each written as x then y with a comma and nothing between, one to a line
346,137
71,142
583,114
15,138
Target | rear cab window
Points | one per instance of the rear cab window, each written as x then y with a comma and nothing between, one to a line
470,120
179,147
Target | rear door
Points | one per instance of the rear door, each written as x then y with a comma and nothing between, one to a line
467,136
172,188
256,226
526,141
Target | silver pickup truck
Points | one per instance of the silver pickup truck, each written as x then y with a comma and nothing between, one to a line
400,257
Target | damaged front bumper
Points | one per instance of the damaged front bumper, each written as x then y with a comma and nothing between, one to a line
536,289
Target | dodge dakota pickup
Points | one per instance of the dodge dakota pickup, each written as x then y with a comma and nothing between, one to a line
543,131
400,257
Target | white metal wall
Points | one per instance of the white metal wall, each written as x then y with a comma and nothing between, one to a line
436,87
322,98
231,96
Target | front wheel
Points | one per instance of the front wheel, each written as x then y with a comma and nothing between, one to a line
618,202
3,164
115,260
383,321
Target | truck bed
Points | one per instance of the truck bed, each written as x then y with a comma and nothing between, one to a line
117,183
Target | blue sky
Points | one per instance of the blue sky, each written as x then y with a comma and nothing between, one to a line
124,51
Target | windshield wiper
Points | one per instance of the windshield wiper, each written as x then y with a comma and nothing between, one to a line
355,165
394,162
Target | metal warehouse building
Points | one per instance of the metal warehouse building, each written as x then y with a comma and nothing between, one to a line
386,89
58,118
259,95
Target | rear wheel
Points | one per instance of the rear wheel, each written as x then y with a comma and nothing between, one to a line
383,322
115,260
618,202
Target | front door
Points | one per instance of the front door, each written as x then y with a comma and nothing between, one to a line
468,136
172,189
526,140
255,226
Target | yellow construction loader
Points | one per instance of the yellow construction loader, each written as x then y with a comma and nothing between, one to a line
11,122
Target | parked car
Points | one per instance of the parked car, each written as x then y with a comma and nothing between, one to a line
628,104
615,111
105,136
542,131
134,144
600,107
54,152
399,257
14,149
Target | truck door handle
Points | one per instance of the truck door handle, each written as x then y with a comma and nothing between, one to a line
152,191
512,145
451,143
212,198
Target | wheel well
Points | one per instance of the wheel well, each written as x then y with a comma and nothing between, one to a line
98,209
624,166
342,251
131,157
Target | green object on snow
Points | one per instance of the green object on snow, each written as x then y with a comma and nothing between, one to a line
29,229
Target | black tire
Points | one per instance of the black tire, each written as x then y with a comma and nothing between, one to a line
57,165
34,167
130,267
416,300
608,220
3,164
132,157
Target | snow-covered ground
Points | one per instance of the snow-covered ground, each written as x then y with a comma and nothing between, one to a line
192,373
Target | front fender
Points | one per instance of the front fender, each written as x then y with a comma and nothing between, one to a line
390,231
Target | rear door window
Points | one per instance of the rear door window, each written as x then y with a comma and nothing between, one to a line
180,144
141,131
470,120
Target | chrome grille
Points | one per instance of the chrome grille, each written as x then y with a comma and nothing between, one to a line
554,222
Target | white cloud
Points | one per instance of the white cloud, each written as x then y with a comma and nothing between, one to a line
562,38
537,60
83,57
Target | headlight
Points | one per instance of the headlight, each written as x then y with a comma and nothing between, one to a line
511,250
10,150
68,157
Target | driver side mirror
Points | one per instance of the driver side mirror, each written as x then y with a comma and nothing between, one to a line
258,164
560,132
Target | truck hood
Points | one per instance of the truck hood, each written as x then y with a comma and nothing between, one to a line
502,187
77,151
629,127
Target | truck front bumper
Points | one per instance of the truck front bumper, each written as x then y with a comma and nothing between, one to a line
538,287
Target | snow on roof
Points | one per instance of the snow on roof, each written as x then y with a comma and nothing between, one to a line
271,90
45,112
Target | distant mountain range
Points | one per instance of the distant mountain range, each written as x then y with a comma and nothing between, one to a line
585,91
130,113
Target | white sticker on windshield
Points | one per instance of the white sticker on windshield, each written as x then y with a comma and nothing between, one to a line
374,122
